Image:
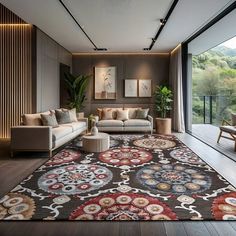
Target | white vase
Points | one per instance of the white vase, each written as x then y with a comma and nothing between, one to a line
94,130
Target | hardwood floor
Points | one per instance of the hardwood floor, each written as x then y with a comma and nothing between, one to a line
13,170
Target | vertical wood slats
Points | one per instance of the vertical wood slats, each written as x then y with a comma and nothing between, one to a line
15,70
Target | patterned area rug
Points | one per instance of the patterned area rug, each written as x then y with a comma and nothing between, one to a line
141,177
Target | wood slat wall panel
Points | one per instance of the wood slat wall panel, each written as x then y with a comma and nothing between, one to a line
15,70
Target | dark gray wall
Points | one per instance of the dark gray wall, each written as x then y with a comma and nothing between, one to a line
155,67
49,56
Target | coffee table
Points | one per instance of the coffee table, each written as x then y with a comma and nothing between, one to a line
96,143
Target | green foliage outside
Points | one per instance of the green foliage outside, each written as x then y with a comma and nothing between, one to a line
214,74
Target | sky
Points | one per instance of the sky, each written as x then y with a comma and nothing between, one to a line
230,43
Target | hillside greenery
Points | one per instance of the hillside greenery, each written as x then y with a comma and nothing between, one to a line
214,75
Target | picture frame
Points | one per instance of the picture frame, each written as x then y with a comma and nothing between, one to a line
145,88
105,82
131,88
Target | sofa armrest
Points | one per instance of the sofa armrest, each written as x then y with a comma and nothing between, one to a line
151,120
96,118
31,138
84,120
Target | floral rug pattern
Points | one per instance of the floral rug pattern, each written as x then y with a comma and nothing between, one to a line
141,177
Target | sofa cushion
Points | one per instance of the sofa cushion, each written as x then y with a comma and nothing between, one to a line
110,123
49,120
75,125
60,132
142,113
63,117
137,122
122,115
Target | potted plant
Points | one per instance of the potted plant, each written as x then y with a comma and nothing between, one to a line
163,100
76,87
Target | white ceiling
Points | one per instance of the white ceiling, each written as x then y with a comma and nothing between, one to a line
213,36
119,25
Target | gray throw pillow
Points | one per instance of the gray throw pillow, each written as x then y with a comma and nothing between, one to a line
63,117
142,113
49,120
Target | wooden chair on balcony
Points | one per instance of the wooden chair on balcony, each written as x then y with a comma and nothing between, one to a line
230,129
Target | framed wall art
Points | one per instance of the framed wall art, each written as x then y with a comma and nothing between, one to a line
145,88
131,88
105,82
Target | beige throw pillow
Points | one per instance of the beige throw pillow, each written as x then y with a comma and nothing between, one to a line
32,119
107,114
122,114
99,113
72,113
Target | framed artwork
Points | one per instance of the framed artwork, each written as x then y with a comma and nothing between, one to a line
131,88
105,82
145,88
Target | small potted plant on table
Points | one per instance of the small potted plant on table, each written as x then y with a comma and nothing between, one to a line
163,100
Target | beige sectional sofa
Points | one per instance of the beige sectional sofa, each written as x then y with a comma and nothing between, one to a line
33,136
132,124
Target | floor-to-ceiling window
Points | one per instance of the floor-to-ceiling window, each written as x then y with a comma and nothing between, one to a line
212,82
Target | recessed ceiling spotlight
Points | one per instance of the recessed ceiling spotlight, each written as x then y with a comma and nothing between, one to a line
162,21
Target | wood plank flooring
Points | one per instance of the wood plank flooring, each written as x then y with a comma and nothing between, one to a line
209,134
13,170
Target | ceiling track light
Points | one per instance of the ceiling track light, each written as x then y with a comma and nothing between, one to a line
162,24
81,28
100,49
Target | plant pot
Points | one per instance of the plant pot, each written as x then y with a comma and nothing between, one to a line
163,125
80,115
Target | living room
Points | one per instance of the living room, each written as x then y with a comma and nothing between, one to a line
117,117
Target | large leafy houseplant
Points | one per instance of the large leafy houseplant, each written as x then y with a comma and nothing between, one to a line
163,100
76,87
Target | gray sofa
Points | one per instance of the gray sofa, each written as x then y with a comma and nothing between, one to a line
131,125
33,136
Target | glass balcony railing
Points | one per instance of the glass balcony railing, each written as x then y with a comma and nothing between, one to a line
212,109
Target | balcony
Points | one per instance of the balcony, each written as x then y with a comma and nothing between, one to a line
208,113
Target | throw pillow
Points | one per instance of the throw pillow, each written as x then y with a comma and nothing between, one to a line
49,120
63,117
72,113
132,112
233,116
142,113
107,114
99,113
122,114
32,119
